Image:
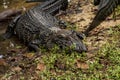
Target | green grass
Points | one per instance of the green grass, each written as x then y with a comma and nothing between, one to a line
105,65
59,65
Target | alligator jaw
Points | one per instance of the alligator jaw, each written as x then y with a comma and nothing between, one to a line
70,40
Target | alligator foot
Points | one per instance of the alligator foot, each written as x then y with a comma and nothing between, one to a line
33,45
61,13
62,24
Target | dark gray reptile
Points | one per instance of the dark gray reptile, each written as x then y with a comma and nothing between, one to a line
106,7
36,28
51,8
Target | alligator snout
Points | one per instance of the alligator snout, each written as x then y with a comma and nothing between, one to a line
72,40
80,47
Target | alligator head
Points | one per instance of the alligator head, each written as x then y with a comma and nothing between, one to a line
70,40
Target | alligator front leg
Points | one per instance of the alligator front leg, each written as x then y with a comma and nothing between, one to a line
10,29
34,45
62,24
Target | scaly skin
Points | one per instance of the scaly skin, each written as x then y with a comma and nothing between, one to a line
37,27
36,0
51,6
106,7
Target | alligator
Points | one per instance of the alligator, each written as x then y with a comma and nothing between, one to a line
49,7
37,27
106,7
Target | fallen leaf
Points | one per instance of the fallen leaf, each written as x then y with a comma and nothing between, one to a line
17,69
41,67
82,65
2,62
29,55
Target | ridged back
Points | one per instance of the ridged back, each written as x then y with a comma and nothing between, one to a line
32,25
53,6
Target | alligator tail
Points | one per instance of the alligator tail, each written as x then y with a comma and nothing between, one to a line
53,6
28,1
106,8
